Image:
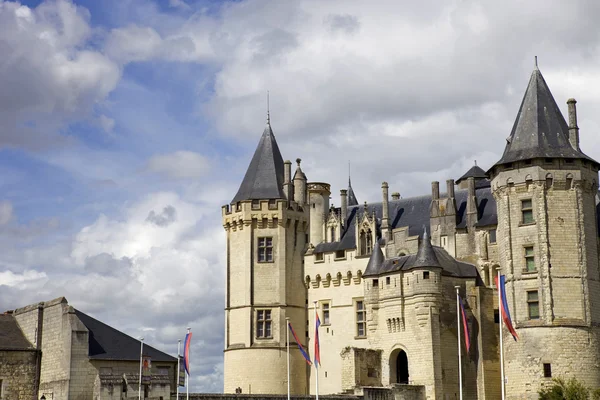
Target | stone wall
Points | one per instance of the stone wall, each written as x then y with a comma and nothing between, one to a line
18,373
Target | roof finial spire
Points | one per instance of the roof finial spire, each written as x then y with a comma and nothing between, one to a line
268,113
475,162
348,172
536,66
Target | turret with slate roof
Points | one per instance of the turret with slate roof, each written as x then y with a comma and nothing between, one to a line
545,189
475,172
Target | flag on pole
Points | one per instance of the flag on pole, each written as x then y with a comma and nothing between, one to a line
304,354
504,306
317,348
186,352
463,316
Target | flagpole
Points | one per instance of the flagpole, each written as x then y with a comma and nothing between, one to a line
459,348
287,341
315,357
177,374
187,386
141,360
501,340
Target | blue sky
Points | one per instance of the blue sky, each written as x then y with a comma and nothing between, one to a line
115,112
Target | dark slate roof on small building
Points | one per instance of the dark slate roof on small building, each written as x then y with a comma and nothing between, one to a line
413,212
264,177
11,335
540,130
425,254
449,265
107,343
475,172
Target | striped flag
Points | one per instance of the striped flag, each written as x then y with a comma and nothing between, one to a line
504,306
306,357
463,316
186,352
317,348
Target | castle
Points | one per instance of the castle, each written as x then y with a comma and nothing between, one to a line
382,276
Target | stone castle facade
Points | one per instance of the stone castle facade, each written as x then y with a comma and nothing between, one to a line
383,276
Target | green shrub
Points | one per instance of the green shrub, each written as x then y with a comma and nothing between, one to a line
569,390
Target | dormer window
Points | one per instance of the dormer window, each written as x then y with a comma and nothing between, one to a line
255,204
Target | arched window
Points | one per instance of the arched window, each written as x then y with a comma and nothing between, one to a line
363,242
569,183
333,233
549,181
369,242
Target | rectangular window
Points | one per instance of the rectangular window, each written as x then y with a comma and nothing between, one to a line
265,249
496,316
527,212
529,259
318,256
387,280
255,205
547,370
375,282
425,274
361,319
533,304
263,324
492,235
272,204
325,313
340,254
444,241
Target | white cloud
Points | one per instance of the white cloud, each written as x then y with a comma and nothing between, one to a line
49,73
180,164
107,123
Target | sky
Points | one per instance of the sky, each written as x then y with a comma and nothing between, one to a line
125,125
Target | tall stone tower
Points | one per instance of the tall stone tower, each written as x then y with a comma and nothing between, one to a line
545,188
266,225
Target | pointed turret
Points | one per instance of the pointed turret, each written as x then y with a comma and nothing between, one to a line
540,130
264,177
352,201
425,255
375,261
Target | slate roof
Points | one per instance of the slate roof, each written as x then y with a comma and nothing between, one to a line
413,212
11,336
474,172
352,201
449,265
264,177
540,130
425,254
107,343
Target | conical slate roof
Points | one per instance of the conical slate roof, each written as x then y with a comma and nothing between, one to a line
540,130
352,201
475,172
264,177
375,261
425,255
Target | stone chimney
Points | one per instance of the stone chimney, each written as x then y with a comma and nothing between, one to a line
573,128
299,185
385,211
451,201
434,210
471,203
396,196
344,206
288,187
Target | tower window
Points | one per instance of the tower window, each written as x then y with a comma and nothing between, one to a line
549,181
444,242
255,205
387,280
548,160
568,161
340,254
318,257
325,308
375,282
265,249
496,316
263,324
569,183
547,370
333,234
527,211
425,274
492,235
272,204
533,304
529,259
361,319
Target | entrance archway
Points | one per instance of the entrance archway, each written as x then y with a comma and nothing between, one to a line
398,365
402,367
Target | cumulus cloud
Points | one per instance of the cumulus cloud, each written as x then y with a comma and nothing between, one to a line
49,74
179,165
165,218
6,212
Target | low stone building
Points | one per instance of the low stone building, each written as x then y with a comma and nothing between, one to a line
52,350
